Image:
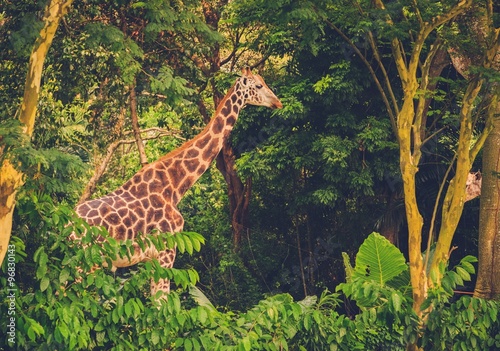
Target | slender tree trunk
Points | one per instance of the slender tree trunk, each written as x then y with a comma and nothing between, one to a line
409,167
456,193
454,200
10,178
238,194
301,261
135,125
488,278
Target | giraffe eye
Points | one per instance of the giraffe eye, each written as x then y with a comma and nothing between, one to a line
258,86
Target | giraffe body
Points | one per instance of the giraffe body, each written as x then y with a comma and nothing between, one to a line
148,201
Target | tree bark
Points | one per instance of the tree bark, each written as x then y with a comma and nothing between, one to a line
135,125
238,193
488,277
11,178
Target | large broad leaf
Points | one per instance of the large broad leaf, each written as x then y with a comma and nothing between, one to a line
379,260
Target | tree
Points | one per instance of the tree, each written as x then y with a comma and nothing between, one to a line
11,178
488,281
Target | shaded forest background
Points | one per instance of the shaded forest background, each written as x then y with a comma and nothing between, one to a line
292,189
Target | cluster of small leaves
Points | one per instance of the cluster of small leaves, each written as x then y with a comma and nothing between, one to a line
451,279
73,310
51,170
467,324
127,53
174,87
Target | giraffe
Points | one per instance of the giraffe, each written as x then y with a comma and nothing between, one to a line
148,201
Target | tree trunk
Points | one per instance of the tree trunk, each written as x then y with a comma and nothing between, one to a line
135,125
488,278
454,200
10,178
408,165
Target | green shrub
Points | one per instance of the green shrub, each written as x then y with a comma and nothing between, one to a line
64,309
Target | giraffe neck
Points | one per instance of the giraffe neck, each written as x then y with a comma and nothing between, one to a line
186,164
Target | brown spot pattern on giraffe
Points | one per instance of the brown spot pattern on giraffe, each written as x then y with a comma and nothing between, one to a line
227,108
148,175
231,120
155,187
193,153
210,150
191,165
218,125
201,143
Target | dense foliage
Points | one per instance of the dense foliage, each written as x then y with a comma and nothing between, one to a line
322,173
73,311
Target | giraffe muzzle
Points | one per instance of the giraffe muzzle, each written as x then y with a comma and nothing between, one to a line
276,104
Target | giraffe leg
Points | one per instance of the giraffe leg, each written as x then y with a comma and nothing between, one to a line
166,259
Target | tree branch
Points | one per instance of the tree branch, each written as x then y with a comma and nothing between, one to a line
387,104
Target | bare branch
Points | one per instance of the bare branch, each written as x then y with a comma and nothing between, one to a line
390,111
387,82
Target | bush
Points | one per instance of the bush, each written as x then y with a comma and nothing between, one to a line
66,310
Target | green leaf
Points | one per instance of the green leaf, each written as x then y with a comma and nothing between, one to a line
193,276
63,276
468,267
63,329
155,337
202,315
188,345
95,254
396,301
55,218
247,345
44,283
200,298
179,342
115,316
378,260
463,273
470,315
189,245
128,308
197,241
181,246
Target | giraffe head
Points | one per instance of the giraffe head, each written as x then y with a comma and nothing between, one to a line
255,90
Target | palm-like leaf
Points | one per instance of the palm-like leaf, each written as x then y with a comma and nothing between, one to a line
379,260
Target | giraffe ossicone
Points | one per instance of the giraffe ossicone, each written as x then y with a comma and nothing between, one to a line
148,201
